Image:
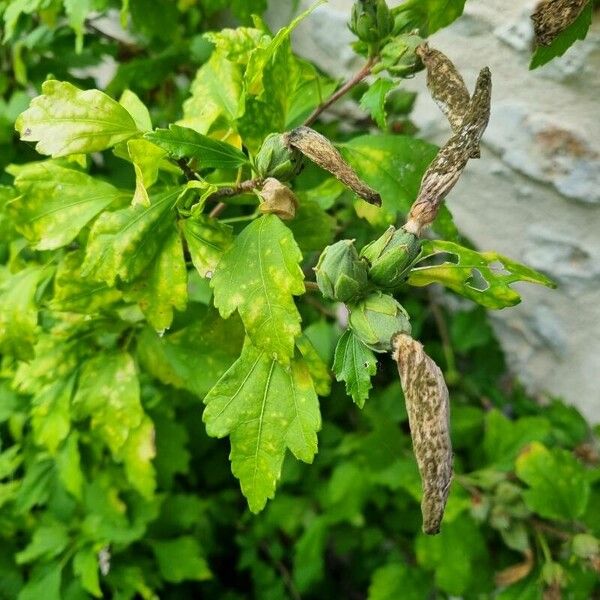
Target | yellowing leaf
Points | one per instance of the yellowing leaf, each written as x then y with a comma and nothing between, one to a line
207,239
474,274
265,409
123,243
258,276
57,203
146,158
66,120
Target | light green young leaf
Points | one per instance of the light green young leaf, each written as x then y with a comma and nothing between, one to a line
19,312
123,243
56,203
85,566
137,109
68,465
565,39
66,120
146,158
354,364
195,357
373,100
73,293
77,11
207,239
265,409
216,92
14,10
258,276
182,142
473,274
181,559
237,45
558,485
48,541
163,287
51,414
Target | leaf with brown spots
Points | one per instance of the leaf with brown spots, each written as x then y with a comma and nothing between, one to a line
258,276
428,408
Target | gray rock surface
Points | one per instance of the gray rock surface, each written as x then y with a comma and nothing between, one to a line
535,193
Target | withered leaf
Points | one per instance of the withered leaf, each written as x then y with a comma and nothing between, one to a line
551,17
323,153
278,199
428,408
446,168
446,85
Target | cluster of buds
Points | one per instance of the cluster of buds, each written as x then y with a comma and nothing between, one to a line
372,21
344,276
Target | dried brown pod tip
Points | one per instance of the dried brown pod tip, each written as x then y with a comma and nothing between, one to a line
323,153
428,408
278,199
551,17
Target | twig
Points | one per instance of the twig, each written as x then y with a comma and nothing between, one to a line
239,188
355,80
217,210
189,173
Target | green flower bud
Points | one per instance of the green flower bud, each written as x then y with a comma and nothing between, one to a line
372,20
377,319
341,274
276,159
390,256
399,56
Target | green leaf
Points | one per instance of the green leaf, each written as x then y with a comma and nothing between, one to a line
146,158
77,11
354,364
558,485
373,100
432,15
109,393
180,560
207,240
19,312
264,408
216,93
137,109
14,10
398,580
565,39
182,142
483,277
51,414
65,120
237,45
504,439
123,243
85,566
56,203
195,357
44,582
163,287
392,164
258,276
48,541
68,464
312,227
316,366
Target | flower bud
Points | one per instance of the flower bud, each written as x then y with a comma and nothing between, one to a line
377,319
276,159
278,199
390,256
341,274
399,56
371,21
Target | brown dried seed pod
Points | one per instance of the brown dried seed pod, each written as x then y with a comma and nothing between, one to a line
278,199
551,17
428,408
322,152
447,166
446,85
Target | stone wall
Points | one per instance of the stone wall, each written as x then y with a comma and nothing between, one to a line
534,195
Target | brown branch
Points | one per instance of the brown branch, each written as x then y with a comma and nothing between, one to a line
234,190
355,80
189,173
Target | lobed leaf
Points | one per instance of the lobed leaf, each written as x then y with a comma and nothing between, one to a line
66,120
258,276
265,409
473,274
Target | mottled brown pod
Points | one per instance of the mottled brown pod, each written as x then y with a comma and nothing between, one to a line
551,17
428,408
446,168
323,153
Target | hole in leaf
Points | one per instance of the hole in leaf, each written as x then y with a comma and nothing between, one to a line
477,281
439,259
498,268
